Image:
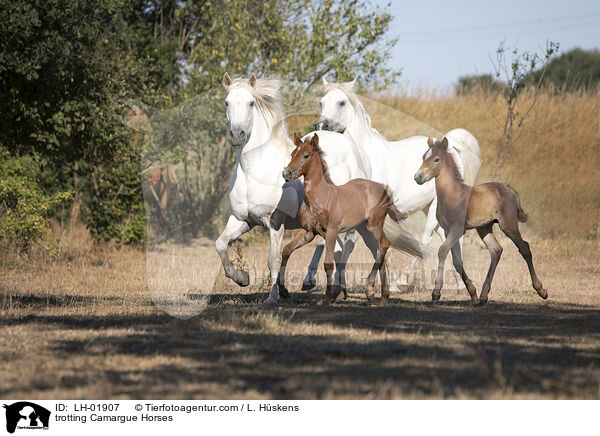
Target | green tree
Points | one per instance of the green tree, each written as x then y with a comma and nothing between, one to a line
574,70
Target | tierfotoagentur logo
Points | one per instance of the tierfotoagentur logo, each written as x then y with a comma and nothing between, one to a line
26,415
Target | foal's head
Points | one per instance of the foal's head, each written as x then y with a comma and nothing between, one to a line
301,157
433,160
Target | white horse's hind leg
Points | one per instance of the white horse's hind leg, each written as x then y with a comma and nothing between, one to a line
431,225
234,229
310,279
275,263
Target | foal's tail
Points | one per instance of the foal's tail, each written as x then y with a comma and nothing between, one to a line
521,215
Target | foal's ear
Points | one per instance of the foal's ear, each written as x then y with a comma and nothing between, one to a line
297,140
252,80
444,143
430,142
315,140
325,82
226,80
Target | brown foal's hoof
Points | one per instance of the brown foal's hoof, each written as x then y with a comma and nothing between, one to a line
482,302
543,293
283,292
383,302
435,296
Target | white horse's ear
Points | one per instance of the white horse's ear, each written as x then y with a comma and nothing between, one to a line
226,80
325,82
352,84
252,80
297,140
430,142
445,143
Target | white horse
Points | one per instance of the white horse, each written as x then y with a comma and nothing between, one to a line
394,163
258,133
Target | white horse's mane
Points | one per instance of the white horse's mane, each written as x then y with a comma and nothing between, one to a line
348,89
269,103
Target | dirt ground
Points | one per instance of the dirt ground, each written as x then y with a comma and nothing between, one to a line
90,328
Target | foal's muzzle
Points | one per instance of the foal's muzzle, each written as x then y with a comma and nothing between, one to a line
420,178
288,174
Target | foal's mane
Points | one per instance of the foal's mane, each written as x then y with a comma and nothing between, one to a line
451,156
348,89
269,103
324,166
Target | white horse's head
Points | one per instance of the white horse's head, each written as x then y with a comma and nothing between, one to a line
241,109
337,107
254,109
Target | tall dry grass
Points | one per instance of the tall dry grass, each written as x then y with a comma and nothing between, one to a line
555,162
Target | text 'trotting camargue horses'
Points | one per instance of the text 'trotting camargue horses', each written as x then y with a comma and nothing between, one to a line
329,209
394,163
258,133
461,206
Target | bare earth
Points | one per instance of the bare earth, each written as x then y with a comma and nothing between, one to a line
90,329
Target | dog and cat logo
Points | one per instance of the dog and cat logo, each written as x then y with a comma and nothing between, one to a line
26,415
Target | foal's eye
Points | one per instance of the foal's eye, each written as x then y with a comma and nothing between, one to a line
436,160
306,156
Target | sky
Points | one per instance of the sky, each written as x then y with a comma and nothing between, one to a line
439,41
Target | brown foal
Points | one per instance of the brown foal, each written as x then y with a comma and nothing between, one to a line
461,207
329,209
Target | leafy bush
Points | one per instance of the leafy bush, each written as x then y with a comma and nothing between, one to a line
24,207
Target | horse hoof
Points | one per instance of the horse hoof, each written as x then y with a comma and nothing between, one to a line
482,302
478,303
308,284
383,302
543,293
370,299
242,278
345,291
283,292
436,296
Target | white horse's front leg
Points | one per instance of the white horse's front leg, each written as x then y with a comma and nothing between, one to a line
275,263
234,229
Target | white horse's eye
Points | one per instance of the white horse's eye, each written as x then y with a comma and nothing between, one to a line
251,104
226,103
342,103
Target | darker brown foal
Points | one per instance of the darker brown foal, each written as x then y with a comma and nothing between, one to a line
462,207
329,209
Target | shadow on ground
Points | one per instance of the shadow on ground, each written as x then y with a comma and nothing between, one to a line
237,348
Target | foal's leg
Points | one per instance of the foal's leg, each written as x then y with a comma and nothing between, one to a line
330,238
488,238
458,266
512,231
300,239
310,280
340,276
384,245
451,238
373,246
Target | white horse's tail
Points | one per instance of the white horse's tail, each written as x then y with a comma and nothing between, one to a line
468,149
400,239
